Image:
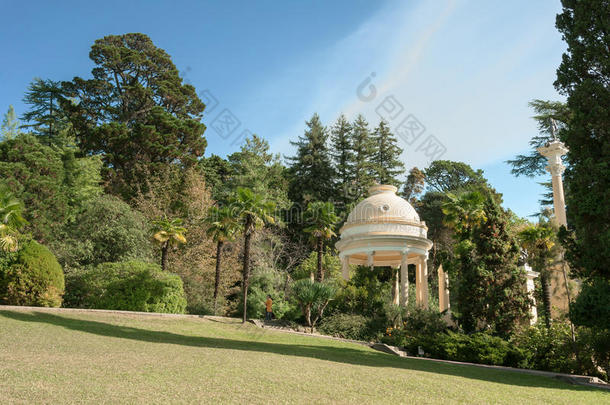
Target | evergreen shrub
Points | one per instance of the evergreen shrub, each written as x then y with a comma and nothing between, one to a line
130,286
31,276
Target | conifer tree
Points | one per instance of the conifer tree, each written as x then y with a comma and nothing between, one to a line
584,77
491,288
9,129
364,149
256,168
136,112
311,168
387,166
343,160
45,116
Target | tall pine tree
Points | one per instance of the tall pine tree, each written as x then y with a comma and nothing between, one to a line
136,112
387,166
311,168
343,161
363,147
45,116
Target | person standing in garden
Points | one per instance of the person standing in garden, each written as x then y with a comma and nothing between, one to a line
269,308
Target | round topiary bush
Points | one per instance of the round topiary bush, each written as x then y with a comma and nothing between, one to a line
129,286
31,276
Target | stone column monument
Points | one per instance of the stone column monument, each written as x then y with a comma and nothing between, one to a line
553,151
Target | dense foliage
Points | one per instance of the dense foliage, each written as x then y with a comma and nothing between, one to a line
131,286
135,111
491,293
31,276
106,230
113,164
584,76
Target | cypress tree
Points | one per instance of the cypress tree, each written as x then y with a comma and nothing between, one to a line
387,165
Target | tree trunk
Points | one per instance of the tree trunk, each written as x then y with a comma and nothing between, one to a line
164,250
246,269
320,247
217,279
308,316
546,297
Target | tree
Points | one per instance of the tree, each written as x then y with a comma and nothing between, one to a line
539,240
252,212
364,149
464,212
255,168
551,116
45,115
10,220
343,158
387,165
313,297
52,182
222,228
584,77
321,220
184,194
135,112
311,169
546,112
491,289
35,174
168,232
106,229
414,185
448,176
9,129
218,173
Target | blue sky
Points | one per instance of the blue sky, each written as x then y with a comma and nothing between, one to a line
461,71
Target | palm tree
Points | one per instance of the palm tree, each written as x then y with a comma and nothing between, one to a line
252,211
539,240
10,221
222,227
168,232
465,211
322,220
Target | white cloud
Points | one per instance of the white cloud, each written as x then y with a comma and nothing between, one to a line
465,74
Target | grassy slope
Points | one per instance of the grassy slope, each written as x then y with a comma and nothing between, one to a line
71,357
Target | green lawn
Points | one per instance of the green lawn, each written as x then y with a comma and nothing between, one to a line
98,357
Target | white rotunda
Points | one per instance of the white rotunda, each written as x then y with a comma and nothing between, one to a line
385,230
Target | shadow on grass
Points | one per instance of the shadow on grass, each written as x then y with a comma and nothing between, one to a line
336,354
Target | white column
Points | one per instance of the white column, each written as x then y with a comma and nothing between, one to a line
530,277
404,281
553,152
421,282
396,287
345,267
443,290
369,259
560,298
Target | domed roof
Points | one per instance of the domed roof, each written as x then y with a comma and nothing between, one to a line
382,205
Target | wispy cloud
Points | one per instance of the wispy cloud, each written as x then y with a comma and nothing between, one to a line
467,79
